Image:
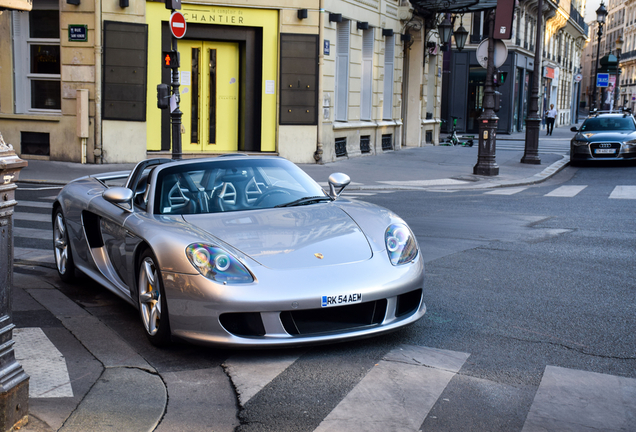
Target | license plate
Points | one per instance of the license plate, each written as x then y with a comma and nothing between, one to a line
339,300
605,151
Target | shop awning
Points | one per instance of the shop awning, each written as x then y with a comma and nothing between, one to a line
429,7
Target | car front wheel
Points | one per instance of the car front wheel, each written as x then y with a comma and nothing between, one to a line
62,247
152,301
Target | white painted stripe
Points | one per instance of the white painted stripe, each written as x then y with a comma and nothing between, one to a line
573,400
352,194
623,192
398,393
438,182
37,256
36,204
43,363
565,191
251,373
33,233
35,217
506,191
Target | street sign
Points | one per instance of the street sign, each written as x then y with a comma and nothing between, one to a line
77,33
602,80
501,53
178,25
578,77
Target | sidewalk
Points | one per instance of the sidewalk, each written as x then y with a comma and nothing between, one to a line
408,168
112,387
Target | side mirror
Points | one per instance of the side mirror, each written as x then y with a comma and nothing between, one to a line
337,180
574,129
120,196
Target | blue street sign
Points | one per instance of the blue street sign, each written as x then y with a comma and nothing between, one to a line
602,80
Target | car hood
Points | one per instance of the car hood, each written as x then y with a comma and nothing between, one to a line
598,136
296,237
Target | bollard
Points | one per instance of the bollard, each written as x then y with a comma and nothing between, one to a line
14,382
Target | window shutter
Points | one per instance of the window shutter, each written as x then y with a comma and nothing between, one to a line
367,75
342,70
389,53
21,61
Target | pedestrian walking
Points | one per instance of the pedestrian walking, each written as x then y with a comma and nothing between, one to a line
550,116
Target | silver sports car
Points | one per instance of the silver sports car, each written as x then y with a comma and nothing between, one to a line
240,251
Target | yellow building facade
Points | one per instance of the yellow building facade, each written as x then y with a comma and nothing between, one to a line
310,80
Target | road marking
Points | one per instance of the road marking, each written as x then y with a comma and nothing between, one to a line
36,204
623,192
566,191
33,233
415,183
398,393
37,256
506,191
574,400
43,363
251,373
35,217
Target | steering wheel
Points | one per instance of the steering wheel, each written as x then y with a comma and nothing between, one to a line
269,193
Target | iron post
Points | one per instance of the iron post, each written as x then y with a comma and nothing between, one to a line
14,382
175,116
533,121
488,120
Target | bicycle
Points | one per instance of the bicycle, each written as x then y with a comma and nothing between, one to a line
453,139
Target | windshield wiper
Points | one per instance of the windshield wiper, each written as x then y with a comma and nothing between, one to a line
306,200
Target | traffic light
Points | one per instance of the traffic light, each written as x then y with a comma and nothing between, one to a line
173,4
171,59
497,101
499,77
163,96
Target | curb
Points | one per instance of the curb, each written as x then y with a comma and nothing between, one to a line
548,172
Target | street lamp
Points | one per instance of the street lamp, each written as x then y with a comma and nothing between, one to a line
460,35
619,50
601,14
445,30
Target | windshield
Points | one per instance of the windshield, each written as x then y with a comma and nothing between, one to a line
608,124
232,185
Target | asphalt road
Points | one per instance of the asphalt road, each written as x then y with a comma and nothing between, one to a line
520,284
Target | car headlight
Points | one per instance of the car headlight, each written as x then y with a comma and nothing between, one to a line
400,244
579,143
630,142
216,264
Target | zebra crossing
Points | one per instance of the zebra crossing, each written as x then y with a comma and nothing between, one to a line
32,231
398,393
570,191
553,145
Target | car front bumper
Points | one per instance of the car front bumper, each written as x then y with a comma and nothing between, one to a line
286,307
588,153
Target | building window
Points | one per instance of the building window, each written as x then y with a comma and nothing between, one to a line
342,70
36,47
366,101
389,54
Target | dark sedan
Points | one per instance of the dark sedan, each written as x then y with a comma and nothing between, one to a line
604,137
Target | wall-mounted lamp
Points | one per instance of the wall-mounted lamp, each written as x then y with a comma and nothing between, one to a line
387,32
302,14
73,2
334,17
363,25
445,29
460,35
